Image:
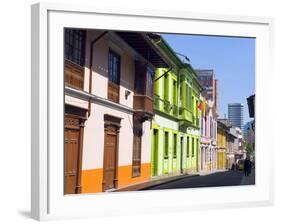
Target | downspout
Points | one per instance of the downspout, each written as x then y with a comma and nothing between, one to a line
91,69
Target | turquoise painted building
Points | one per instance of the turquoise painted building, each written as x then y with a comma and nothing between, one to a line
175,126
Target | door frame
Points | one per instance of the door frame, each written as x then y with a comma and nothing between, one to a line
110,121
80,128
181,153
155,151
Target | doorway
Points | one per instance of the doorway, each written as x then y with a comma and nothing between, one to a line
110,162
154,164
72,154
181,153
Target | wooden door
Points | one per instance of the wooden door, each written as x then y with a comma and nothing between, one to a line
71,157
110,158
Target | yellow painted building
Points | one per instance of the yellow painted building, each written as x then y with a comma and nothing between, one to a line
222,144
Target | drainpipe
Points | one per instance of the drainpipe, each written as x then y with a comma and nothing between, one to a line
91,69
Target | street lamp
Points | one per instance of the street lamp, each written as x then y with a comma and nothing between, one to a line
184,56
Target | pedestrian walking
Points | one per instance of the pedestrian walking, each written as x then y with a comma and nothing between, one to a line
233,166
250,167
246,166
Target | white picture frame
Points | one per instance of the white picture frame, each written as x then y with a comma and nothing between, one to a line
48,201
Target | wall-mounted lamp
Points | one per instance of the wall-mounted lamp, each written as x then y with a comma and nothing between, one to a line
127,93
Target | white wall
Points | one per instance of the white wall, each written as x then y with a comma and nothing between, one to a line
15,110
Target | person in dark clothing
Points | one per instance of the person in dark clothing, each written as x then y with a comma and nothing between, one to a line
246,166
250,167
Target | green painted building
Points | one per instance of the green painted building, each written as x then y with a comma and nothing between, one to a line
175,127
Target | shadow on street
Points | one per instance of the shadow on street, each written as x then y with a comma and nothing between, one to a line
227,178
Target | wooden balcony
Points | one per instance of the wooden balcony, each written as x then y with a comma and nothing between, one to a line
143,103
73,75
113,92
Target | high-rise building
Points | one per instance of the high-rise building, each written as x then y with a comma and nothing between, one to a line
235,114
207,80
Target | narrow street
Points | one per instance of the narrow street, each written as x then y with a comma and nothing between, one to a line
227,178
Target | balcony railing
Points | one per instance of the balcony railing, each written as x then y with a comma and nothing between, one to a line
195,121
185,114
157,102
113,92
73,75
165,106
143,103
174,109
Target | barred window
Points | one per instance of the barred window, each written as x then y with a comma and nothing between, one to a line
114,67
74,45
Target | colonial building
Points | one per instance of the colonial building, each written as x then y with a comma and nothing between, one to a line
230,144
108,109
230,152
223,126
240,152
208,140
175,134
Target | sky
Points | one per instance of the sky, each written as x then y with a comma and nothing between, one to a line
233,60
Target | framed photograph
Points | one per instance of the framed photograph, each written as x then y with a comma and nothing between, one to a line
148,111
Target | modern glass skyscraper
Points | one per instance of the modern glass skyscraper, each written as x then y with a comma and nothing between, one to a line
235,114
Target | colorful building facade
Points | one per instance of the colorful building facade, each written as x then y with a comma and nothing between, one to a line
208,141
175,132
108,109
222,144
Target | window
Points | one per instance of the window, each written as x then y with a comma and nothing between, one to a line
174,98
149,82
187,146
74,55
166,145
113,67
113,76
175,146
188,97
192,147
192,102
137,131
144,77
180,95
166,87
74,46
